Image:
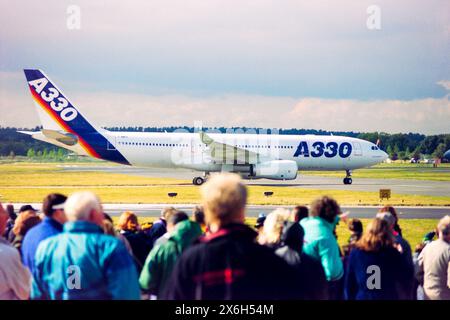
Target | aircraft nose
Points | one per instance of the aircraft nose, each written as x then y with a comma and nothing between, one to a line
385,155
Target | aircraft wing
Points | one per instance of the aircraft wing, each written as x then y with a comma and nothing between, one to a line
220,152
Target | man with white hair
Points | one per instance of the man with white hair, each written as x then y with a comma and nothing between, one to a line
434,264
82,262
228,263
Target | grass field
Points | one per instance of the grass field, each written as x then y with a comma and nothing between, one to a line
406,171
31,182
413,229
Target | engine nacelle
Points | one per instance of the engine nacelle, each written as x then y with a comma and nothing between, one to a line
275,170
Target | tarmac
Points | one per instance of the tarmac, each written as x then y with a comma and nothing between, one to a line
413,187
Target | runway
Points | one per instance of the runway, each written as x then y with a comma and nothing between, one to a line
398,186
146,210
154,210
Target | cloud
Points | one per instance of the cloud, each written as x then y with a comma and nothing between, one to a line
430,115
299,49
445,84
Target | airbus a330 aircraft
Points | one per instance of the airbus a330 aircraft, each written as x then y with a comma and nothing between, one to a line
270,156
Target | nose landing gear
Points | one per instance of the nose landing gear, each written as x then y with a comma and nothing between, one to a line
348,177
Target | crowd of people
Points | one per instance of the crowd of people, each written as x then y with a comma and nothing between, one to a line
73,250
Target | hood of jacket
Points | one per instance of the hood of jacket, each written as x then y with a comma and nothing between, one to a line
185,233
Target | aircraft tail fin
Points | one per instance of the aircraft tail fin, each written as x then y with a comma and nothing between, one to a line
62,121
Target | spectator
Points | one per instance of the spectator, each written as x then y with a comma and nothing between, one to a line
24,222
376,270
10,236
14,277
172,219
162,258
140,243
356,229
159,226
108,228
402,245
52,224
299,213
198,216
321,244
287,237
420,294
10,223
82,262
273,227
434,264
228,263
393,212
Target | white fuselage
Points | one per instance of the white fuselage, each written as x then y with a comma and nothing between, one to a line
186,150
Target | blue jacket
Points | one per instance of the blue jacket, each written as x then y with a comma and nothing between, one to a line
46,229
395,275
320,244
84,263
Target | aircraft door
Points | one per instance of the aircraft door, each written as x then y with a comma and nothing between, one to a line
357,150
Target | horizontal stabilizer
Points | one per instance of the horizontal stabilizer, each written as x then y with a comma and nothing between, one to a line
61,136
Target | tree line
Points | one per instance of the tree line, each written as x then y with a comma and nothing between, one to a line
399,146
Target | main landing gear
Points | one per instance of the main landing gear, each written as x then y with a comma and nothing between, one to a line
198,181
348,177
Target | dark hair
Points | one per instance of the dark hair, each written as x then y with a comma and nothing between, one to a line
326,207
10,210
392,211
198,214
292,235
300,212
108,217
177,217
355,225
51,200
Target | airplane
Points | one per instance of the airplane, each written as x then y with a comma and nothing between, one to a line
447,155
253,156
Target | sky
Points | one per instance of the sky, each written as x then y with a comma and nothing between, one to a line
255,63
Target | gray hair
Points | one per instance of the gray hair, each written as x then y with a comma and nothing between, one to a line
80,204
444,225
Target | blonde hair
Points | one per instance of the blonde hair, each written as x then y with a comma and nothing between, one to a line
128,221
224,197
377,236
273,225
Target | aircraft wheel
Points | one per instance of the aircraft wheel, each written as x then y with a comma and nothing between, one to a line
198,181
348,180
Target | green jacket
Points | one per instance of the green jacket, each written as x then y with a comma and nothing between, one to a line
161,260
321,244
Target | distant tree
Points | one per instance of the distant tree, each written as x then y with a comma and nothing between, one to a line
52,154
439,151
60,154
31,153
